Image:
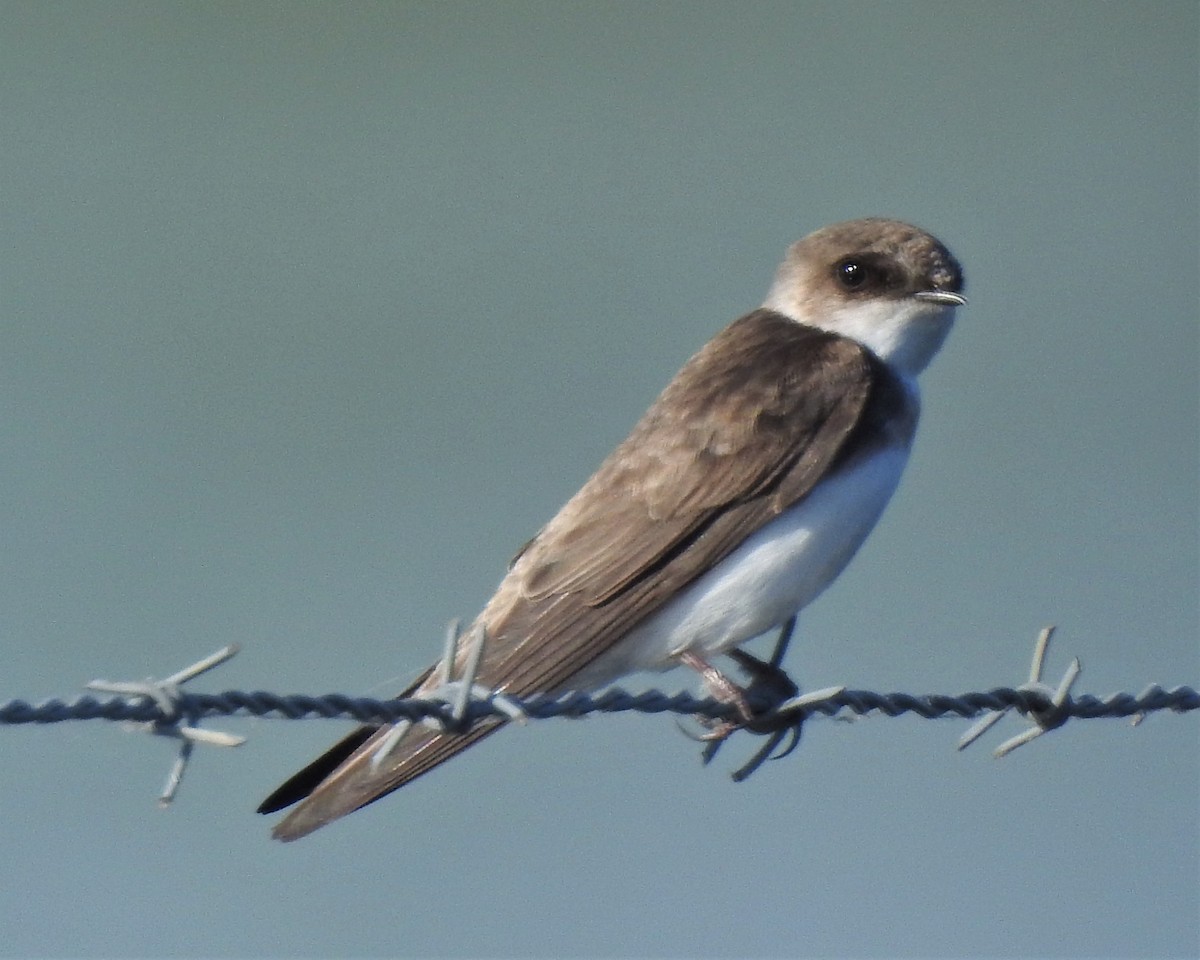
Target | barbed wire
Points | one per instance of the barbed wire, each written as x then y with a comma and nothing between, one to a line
330,706
160,707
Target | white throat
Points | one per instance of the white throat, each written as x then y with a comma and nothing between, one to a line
905,334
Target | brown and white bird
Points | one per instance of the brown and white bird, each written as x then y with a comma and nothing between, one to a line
738,497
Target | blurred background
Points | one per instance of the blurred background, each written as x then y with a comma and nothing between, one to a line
313,313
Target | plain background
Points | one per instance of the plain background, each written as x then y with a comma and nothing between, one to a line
313,313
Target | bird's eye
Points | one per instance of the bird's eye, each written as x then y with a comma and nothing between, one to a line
852,274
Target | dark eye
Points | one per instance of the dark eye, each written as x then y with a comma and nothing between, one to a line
852,274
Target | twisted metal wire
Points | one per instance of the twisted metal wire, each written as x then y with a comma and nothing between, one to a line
162,708
259,703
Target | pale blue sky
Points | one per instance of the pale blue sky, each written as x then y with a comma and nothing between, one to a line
314,313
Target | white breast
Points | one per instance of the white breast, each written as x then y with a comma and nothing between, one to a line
776,572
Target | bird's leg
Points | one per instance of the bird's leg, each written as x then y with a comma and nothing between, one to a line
721,687
768,682
767,678
782,642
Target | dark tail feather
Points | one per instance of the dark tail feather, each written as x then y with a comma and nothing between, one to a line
303,782
361,778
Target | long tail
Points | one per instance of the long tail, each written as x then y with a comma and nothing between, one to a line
362,768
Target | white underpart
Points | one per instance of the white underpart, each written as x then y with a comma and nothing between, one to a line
776,572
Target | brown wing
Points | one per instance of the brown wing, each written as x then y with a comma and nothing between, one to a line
746,429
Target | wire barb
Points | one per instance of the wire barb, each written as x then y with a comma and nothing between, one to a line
1046,718
458,695
172,702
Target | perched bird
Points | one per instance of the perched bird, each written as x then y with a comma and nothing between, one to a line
738,497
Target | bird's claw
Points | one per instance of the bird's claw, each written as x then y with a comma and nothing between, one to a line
769,705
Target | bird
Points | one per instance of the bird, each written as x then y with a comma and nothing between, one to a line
737,498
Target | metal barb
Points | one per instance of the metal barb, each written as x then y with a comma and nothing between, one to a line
806,701
457,694
464,691
1051,718
445,671
167,696
394,735
446,667
175,775
1045,720
458,707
